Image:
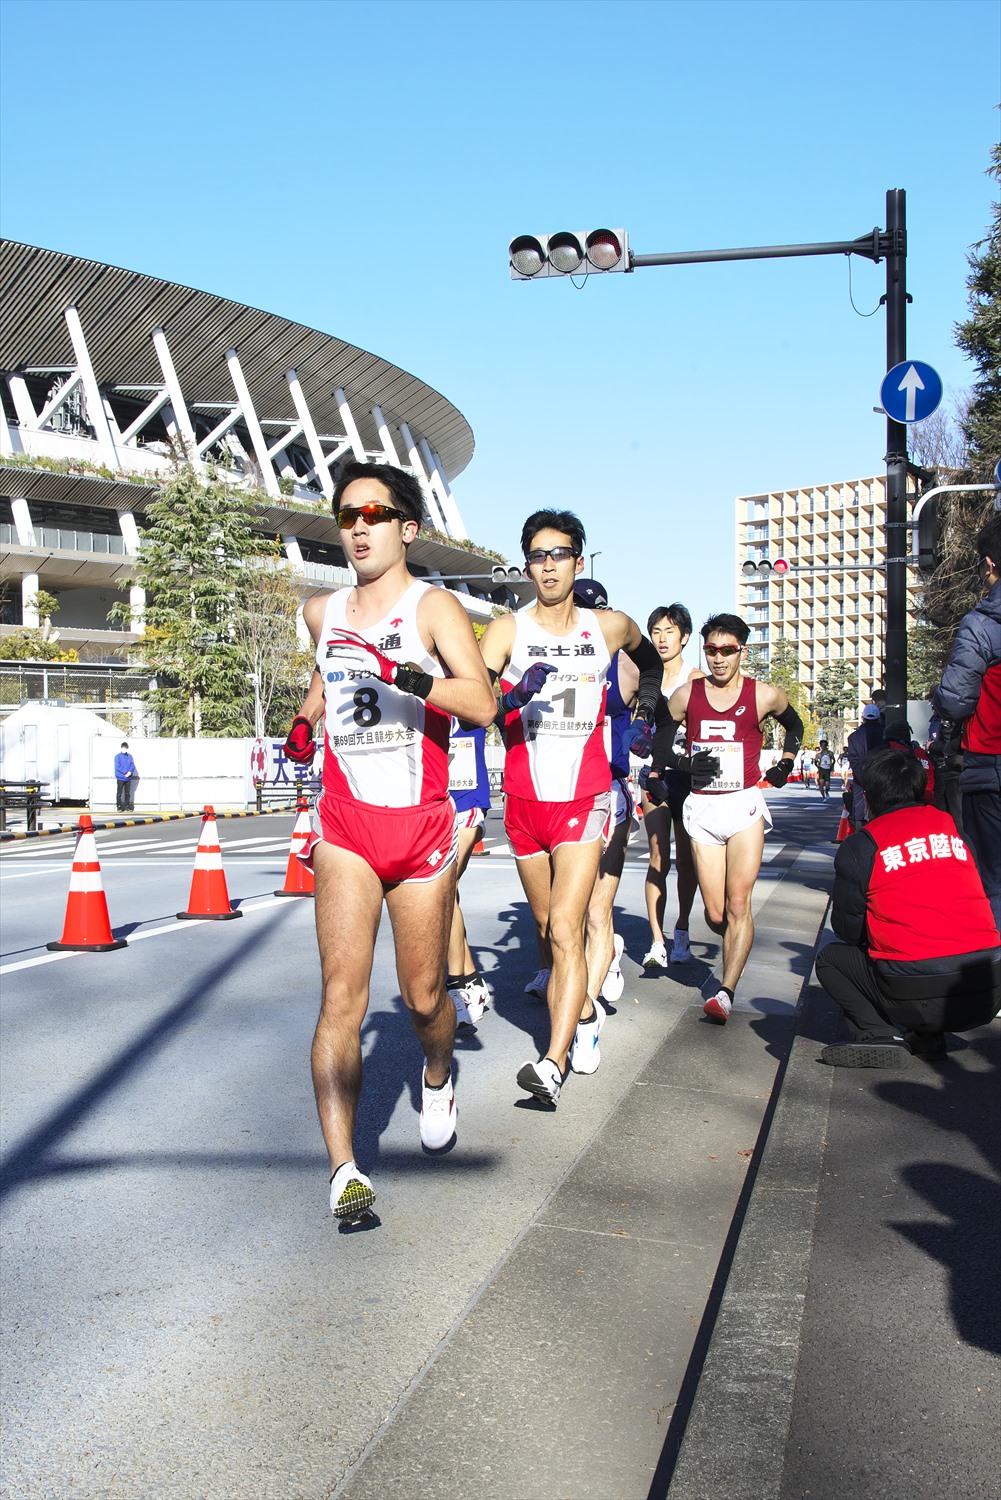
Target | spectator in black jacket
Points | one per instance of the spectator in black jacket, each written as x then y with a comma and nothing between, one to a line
971,690
860,745
920,954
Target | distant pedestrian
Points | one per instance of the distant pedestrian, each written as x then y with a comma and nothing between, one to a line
863,742
920,954
126,777
825,765
970,690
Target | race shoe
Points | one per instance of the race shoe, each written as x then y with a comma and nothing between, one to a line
585,1054
681,953
477,997
462,1013
614,982
437,1114
351,1194
656,958
886,1052
543,1079
539,985
718,1008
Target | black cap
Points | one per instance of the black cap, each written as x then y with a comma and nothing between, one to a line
591,594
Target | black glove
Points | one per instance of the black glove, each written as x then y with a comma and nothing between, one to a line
778,775
704,765
655,789
300,745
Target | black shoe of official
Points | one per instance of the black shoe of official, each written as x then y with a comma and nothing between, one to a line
890,1053
927,1044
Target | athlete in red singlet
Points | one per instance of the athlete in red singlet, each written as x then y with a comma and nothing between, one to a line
552,660
384,827
725,815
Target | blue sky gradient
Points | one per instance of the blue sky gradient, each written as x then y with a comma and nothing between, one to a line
362,167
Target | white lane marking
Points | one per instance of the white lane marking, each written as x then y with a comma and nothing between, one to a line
135,937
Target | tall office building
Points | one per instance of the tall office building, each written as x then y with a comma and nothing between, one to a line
836,613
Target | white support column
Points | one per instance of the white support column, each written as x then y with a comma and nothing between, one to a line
350,426
228,421
26,413
95,401
439,484
130,532
49,410
29,613
137,608
294,553
268,475
181,417
385,436
158,402
417,464
309,432
23,524
283,442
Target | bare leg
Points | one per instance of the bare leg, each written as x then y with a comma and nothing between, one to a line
421,913
600,926
743,861
563,891
460,958
348,911
657,822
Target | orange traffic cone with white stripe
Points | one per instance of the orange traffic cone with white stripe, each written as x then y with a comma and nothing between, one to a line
299,879
87,927
209,898
844,829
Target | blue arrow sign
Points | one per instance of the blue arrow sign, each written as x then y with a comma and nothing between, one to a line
910,391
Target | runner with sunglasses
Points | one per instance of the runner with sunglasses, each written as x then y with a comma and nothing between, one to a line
725,815
395,659
552,661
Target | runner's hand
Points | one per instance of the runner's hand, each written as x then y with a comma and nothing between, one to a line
704,765
300,745
779,775
368,658
641,738
531,683
655,789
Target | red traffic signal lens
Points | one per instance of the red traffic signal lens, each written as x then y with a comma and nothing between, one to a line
780,565
527,255
604,249
566,253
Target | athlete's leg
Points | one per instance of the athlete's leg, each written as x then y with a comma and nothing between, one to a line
535,873
710,871
684,864
600,930
421,914
348,909
743,861
460,958
657,822
575,868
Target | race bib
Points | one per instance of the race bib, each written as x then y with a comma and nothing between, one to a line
461,764
731,773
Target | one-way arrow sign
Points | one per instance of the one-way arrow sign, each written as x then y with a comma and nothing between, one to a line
910,391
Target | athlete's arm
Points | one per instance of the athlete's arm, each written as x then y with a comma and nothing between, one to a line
772,701
299,745
622,633
447,632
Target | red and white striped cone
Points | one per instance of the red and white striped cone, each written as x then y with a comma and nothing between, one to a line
299,879
87,927
209,898
844,829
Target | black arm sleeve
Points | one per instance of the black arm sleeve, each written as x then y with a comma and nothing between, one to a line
853,865
646,659
663,752
793,726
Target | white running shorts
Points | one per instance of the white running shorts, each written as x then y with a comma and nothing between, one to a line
714,817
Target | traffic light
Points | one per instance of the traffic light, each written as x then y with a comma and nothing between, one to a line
500,574
569,253
928,541
764,570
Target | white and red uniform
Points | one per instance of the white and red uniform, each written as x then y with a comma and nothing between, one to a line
729,801
556,771
385,751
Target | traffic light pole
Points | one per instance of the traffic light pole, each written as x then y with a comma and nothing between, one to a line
897,534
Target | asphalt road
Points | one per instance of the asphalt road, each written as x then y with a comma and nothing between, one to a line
182,1316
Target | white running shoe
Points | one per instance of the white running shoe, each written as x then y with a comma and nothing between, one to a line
614,982
477,998
539,985
718,1008
656,958
351,1194
542,1078
462,1015
585,1054
681,952
438,1114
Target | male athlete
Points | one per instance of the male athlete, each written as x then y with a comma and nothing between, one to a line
725,815
552,660
395,658
824,762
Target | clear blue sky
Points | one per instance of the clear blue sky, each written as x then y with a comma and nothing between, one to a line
362,167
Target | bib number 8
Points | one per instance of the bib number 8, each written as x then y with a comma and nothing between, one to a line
367,711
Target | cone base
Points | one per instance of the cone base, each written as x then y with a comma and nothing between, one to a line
207,916
294,893
87,947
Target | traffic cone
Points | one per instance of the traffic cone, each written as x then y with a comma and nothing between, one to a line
209,898
87,927
478,846
844,829
298,876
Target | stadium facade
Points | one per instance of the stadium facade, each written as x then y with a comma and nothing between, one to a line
109,378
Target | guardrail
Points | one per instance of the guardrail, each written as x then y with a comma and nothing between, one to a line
40,833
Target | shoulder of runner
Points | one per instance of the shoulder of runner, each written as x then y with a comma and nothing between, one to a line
770,699
445,629
677,704
497,641
313,611
620,632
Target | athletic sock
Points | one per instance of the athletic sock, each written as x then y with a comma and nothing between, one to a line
451,980
724,991
343,1164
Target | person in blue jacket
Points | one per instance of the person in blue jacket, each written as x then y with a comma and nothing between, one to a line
126,777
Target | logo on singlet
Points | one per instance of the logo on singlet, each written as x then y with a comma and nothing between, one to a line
740,710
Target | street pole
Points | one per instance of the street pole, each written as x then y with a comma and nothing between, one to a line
897,532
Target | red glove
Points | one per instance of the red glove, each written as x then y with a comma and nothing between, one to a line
398,674
300,745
